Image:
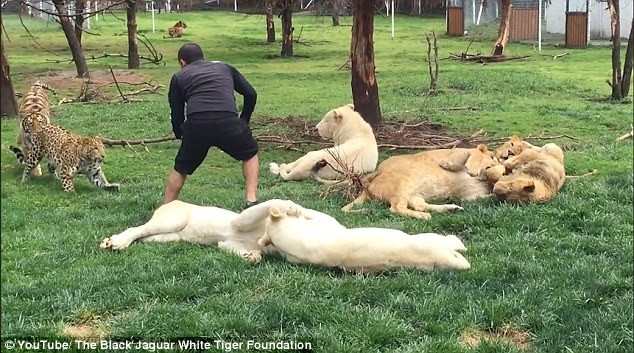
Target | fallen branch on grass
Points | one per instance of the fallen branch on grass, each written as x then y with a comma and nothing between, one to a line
529,137
485,59
574,177
89,96
626,136
555,57
284,142
458,108
346,65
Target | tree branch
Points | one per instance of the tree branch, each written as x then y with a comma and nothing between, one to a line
33,38
626,136
85,13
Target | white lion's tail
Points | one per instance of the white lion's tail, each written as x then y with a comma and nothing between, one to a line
274,168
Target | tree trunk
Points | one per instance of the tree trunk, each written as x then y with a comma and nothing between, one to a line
335,12
415,7
270,23
627,67
71,38
615,21
365,89
503,30
287,29
80,7
133,48
8,103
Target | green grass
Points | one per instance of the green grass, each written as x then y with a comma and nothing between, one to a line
561,271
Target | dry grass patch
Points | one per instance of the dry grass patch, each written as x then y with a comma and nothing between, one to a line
506,334
87,326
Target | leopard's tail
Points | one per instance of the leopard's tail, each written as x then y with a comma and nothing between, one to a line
19,155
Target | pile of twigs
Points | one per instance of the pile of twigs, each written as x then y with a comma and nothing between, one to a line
353,183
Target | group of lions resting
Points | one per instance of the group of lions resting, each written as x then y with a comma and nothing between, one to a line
515,172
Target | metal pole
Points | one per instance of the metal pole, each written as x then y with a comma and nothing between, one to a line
153,24
235,5
539,26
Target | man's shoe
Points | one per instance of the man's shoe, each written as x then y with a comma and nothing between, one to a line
250,203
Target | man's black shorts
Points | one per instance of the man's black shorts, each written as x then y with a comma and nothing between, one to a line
231,135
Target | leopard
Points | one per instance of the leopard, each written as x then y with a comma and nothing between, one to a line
68,154
34,111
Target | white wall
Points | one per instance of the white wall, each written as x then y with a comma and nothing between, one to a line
599,17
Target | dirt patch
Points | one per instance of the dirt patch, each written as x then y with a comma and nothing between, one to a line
506,334
84,332
293,130
87,326
68,80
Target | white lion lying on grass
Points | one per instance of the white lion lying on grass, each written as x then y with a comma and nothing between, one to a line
354,144
207,225
306,240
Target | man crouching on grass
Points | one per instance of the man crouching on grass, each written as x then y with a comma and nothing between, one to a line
212,119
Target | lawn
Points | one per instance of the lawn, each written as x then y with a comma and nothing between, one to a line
553,277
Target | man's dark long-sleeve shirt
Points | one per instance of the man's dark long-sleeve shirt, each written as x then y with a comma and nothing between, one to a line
208,87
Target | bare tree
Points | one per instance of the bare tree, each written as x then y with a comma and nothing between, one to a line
8,104
287,27
335,5
270,23
133,48
503,30
627,67
620,79
80,6
365,89
71,38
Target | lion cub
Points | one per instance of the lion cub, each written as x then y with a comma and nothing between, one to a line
535,174
407,182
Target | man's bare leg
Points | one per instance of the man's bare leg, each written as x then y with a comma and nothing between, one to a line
250,171
175,182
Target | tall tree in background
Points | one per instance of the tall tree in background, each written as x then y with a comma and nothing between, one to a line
270,24
8,104
503,30
71,38
80,7
365,89
335,5
287,28
620,79
133,48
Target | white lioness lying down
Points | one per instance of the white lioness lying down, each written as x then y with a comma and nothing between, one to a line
207,225
303,240
354,143
408,182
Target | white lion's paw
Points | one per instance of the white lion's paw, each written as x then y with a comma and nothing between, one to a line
274,168
105,244
119,243
453,208
253,257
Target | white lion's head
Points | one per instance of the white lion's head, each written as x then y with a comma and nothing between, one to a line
332,124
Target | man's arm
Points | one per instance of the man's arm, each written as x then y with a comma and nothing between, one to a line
177,106
242,86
